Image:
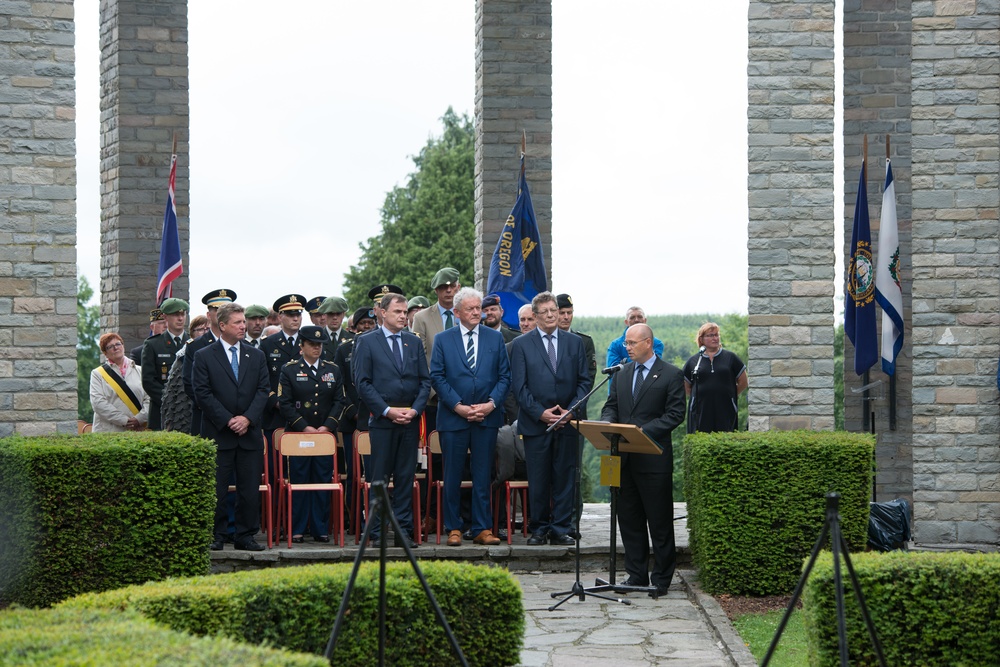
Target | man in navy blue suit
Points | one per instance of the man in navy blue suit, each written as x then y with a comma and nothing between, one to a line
390,376
471,375
231,385
548,376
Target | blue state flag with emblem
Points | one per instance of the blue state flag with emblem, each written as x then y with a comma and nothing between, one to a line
859,316
517,270
171,266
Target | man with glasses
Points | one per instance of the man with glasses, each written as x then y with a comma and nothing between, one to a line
549,375
713,379
212,301
649,393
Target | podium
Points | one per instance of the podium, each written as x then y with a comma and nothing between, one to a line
614,439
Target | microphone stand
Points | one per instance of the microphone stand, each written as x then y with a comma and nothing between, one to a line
691,425
579,590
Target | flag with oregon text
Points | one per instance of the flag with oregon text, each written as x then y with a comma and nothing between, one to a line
171,266
888,292
859,316
517,270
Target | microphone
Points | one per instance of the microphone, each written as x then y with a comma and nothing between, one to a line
701,351
613,369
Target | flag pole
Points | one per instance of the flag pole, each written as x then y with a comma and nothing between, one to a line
892,378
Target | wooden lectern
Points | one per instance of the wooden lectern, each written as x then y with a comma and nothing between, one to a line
616,438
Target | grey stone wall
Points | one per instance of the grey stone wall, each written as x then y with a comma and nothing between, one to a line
513,93
877,102
790,247
37,218
144,103
956,292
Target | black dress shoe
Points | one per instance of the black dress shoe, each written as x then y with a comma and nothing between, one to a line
561,540
537,539
298,539
399,542
658,591
248,545
322,538
635,581
217,545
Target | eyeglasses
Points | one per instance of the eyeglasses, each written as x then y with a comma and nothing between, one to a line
199,330
710,335
548,311
633,343
113,346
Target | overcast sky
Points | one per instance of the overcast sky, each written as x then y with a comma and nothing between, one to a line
301,121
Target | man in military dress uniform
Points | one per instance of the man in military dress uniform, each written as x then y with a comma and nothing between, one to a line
311,399
565,303
212,301
158,355
414,306
317,318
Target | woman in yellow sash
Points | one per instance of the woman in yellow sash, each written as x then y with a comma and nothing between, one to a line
116,392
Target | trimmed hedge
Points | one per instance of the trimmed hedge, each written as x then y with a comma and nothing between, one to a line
102,637
756,503
295,608
101,511
929,609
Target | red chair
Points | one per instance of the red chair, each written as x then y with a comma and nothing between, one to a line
265,500
520,488
434,445
363,447
309,444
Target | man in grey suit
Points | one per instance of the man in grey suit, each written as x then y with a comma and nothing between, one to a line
231,386
548,376
649,393
391,378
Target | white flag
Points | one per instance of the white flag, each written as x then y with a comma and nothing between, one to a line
888,293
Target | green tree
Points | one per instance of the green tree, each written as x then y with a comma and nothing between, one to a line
838,377
88,354
426,224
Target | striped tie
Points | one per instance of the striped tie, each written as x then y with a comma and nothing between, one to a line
470,352
639,371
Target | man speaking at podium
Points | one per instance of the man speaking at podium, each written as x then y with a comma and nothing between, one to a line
649,393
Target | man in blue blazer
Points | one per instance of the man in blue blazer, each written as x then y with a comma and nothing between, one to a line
390,376
549,375
471,375
231,385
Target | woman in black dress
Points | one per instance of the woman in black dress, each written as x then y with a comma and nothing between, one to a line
713,379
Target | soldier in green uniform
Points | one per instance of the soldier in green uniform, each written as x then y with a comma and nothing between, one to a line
334,308
256,320
311,399
158,353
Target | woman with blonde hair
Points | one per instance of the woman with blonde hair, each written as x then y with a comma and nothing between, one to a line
116,392
713,379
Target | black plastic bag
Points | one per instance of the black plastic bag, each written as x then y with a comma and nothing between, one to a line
889,525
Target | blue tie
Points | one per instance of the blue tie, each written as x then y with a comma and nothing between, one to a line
234,362
470,353
397,353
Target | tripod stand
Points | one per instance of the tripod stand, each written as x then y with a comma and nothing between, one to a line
839,547
381,506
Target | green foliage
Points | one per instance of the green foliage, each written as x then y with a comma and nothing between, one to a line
426,224
757,632
929,609
294,608
103,510
838,377
756,503
60,638
678,335
88,354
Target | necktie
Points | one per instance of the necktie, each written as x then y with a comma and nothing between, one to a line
449,321
234,362
551,349
470,352
397,353
177,341
639,371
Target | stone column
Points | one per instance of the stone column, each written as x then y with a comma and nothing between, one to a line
513,94
790,248
144,103
956,292
37,219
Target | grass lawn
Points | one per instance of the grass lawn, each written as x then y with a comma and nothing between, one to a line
757,631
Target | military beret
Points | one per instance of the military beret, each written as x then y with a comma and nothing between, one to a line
257,311
216,298
315,334
376,293
333,304
155,315
491,300
289,303
312,305
418,302
362,314
564,301
445,276
171,306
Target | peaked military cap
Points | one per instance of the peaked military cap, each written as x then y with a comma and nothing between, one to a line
289,303
564,301
171,306
155,315
376,293
333,304
216,298
312,305
445,276
315,334
256,311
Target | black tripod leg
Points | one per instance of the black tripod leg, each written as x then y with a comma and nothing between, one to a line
345,598
838,593
876,644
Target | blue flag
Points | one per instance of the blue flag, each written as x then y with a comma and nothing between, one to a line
888,291
517,270
171,266
859,318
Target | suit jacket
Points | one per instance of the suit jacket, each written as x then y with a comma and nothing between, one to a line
508,333
658,409
221,396
380,384
537,387
456,383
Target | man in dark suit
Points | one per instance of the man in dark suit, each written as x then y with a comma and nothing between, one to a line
158,353
549,375
390,376
213,300
231,386
649,393
471,375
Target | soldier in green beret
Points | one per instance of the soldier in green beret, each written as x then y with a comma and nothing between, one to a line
256,320
334,307
158,353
